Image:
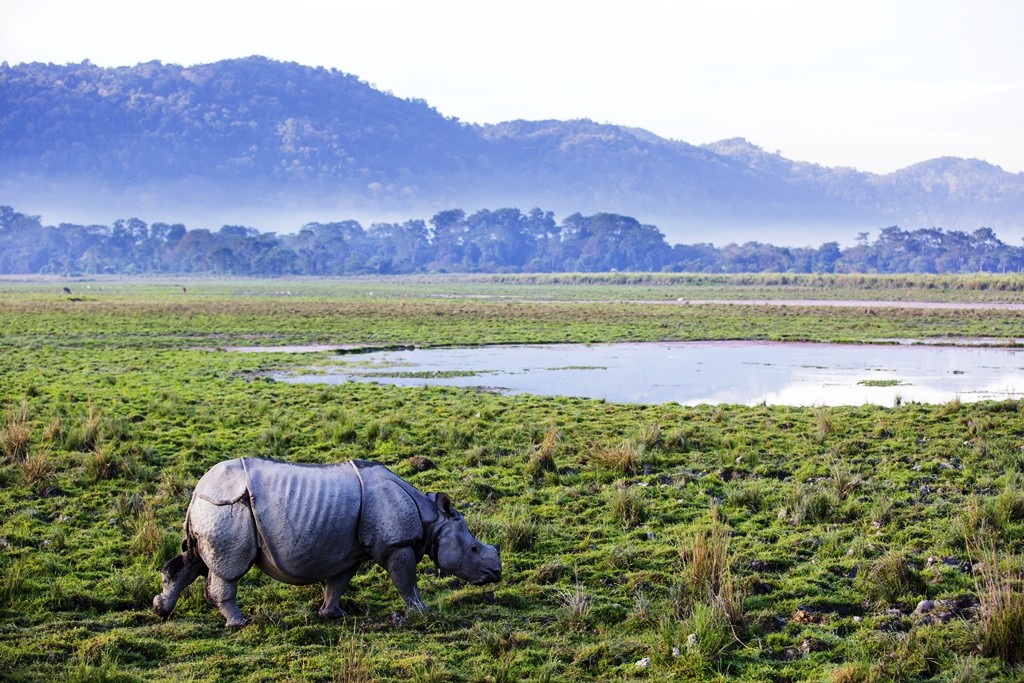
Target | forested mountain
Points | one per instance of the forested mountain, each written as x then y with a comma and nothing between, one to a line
281,138
500,241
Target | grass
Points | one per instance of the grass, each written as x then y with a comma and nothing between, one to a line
1000,588
15,434
791,543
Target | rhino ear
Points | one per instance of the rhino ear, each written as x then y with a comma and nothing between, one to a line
444,504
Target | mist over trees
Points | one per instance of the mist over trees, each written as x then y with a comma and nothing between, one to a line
259,135
487,241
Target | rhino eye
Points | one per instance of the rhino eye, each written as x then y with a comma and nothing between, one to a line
474,548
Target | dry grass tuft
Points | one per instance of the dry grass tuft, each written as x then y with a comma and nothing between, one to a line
14,437
99,464
351,665
543,458
706,577
54,431
627,505
626,457
36,469
576,604
891,578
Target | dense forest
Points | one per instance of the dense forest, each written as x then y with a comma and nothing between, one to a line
500,241
259,135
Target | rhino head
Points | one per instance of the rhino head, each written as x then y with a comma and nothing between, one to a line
457,551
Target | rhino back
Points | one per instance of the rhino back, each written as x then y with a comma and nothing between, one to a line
223,484
306,516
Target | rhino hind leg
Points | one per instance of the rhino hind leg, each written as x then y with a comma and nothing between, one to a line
333,590
220,592
177,574
226,540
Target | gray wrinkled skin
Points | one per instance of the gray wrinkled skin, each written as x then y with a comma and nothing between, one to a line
305,524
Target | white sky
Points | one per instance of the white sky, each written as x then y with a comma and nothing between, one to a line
873,84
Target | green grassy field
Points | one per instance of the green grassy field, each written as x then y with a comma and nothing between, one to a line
640,542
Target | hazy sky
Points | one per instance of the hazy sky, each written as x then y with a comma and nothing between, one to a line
873,84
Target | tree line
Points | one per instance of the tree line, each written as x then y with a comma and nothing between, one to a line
499,241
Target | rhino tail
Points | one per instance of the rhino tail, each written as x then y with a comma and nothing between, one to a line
189,553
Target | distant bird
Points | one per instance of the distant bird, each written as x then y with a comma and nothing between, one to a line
184,291
67,290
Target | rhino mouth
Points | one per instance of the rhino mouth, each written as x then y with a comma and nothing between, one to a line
487,576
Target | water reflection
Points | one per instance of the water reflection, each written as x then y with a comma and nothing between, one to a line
705,372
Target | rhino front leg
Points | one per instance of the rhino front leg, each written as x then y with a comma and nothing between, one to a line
336,585
401,566
177,575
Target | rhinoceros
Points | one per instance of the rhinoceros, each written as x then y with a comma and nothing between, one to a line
305,524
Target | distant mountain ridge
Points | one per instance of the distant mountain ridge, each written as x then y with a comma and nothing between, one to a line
277,137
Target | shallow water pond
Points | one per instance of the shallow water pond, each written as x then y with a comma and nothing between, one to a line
692,373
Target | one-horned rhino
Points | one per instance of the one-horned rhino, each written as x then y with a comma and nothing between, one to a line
305,524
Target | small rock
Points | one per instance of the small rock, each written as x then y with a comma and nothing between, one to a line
924,607
691,642
810,645
644,663
676,653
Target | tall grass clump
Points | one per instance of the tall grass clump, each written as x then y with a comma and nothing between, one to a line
705,563
851,672
707,600
754,495
809,504
85,437
626,504
54,432
350,663
709,632
36,469
822,423
542,458
14,437
890,578
625,457
150,539
576,604
987,518
1001,594
518,529
100,464
12,584
843,480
